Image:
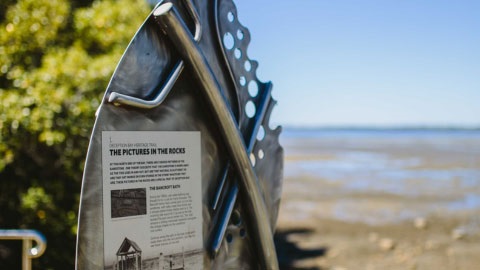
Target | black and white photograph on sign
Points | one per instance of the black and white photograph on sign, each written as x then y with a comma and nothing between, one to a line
152,198
129,202
129,257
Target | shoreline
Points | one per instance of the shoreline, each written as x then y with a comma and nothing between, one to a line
380,202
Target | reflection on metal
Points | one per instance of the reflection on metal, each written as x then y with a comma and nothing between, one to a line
177,31
216,92
220,188
219,233
162,93
29,252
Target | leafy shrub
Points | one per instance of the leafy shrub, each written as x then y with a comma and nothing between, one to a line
56,57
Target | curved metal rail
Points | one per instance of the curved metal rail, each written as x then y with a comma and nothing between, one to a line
29,252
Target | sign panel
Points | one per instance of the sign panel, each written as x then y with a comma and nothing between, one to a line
152,199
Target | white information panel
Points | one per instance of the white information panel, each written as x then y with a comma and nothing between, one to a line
152,200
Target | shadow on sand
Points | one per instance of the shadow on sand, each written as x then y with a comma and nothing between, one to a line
289,252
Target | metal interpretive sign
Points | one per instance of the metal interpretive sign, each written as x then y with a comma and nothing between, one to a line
152,197
183,169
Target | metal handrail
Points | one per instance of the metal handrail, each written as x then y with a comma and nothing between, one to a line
29,252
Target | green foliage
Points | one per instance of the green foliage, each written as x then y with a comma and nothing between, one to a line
56,57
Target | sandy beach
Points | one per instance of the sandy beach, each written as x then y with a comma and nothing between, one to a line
380,200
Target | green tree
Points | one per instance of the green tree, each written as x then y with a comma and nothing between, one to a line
56,57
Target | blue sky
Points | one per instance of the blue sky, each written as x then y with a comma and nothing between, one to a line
376,63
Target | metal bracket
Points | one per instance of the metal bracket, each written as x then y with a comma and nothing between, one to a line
122,99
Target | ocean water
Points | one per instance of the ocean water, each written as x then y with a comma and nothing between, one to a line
438,169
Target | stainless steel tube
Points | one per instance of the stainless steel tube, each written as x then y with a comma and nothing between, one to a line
226,213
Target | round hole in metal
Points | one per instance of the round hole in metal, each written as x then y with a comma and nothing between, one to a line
242,81
243,232
236,218
230,16
252,159
253,88
229,238
261,154
261,133
238,53
228,41
240,34
248,66
250,109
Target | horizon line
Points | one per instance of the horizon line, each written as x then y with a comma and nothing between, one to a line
383,127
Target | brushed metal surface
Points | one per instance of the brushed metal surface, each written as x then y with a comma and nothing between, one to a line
146,64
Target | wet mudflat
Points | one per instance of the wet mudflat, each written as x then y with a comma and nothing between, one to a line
380,200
